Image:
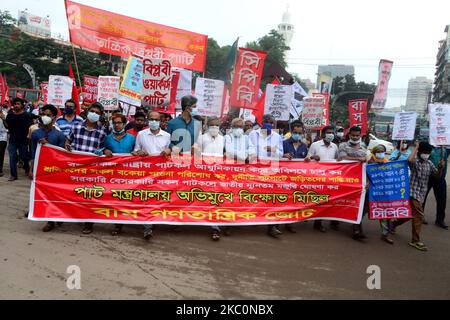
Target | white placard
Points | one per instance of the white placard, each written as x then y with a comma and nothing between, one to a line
278,101
247,114
59,90
184,85
312,113
108,92
209,93
439,124
404,126
157,82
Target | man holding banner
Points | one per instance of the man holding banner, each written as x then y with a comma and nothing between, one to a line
88,136
421,171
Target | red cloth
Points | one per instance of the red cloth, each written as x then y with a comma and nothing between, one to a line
258,112
75,96
134,132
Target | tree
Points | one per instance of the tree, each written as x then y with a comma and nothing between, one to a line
45,56
274,44
6,19
216,58
339,112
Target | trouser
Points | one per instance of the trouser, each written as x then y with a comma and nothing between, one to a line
2,154
439,187
148,227
386,227
417,219
215,228
23,152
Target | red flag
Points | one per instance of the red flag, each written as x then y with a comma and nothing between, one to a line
75,96
2,90
258,112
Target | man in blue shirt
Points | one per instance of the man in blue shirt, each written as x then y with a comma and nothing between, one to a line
47,133
119,141
294,148
69,118
184,129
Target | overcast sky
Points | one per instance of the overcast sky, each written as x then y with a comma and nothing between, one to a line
356,32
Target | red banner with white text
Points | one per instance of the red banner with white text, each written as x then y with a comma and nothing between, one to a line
79,187
111,33
247,78
357,110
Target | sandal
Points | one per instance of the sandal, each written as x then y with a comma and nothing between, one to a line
116,231
215,235
418,245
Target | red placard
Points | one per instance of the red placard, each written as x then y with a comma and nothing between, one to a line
44,92
357,110
72,186
111,33
247,78
90,90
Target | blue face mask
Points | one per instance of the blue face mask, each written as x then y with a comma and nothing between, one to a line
68,111
268,127
194,112
296,137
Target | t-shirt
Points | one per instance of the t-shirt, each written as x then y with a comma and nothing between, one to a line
18,125
53,136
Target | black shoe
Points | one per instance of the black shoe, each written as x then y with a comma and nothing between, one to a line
424,221
48,227
441,225
1,174
88,230
59,224
274,232
319,227
334,225
290,228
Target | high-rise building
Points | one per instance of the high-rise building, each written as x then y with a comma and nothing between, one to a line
335,70
419,89
441,92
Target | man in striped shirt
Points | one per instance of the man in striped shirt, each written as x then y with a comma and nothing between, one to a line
88,136
69,118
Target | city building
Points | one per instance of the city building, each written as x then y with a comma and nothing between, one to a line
419,89
334,70
441,92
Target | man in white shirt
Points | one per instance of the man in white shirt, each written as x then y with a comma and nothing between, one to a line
323,150
268,143
238,146
211,143
152,141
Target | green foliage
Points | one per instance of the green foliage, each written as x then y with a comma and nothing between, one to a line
6,19
45,56
339,112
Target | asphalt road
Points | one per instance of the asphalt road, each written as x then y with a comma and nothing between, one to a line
188,265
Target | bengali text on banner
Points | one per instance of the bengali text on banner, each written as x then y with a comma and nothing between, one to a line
77,187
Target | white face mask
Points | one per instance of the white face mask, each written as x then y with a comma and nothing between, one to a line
405,146
424,156
329,137
355,142
380,155
93,117
237,132
46,120
340,135
153,124
214,131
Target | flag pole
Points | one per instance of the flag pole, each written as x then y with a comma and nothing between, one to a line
76,66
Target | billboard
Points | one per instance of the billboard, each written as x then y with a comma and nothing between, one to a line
31,23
